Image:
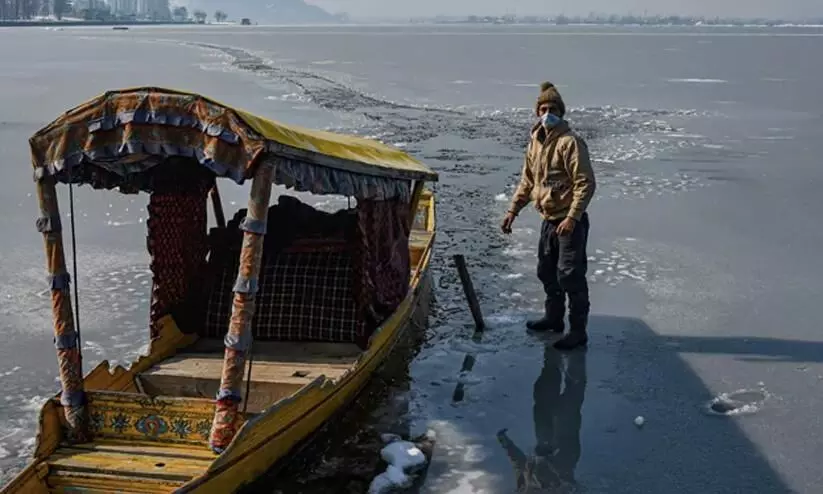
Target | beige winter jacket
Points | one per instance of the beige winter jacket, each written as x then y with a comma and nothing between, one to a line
557,174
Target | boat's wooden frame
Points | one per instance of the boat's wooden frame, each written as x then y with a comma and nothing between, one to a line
148,442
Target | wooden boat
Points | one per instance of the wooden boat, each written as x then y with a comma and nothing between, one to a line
262,328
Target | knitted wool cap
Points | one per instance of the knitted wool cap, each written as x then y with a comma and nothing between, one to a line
550,95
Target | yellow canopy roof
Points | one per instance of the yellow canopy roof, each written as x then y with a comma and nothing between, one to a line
124,132
346,148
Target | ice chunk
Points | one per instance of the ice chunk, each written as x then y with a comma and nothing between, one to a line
512,276
398,477
404,455
393,478
741,402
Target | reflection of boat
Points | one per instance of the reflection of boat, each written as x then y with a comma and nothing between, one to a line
557,422
325,297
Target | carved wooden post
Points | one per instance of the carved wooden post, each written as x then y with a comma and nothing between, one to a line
72,396
239,336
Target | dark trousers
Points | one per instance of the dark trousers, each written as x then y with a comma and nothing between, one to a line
561,267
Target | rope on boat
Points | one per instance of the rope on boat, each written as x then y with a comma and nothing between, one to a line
74,270
248,378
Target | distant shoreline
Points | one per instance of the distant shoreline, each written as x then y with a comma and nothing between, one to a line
617,24
95,23
412,22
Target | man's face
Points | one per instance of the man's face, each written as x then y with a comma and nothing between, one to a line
543,109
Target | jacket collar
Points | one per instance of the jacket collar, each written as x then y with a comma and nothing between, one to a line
545,138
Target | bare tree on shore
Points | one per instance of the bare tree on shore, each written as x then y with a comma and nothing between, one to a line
180,13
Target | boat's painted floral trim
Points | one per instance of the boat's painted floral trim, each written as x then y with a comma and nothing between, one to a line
119,423
152,426
130,416
181,427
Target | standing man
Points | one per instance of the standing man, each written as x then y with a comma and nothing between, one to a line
557,175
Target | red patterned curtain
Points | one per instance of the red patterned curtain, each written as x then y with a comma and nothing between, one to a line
178,242
383,266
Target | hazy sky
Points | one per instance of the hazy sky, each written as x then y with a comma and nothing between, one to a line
787,9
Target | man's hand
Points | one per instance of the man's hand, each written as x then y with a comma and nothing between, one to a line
508,221
566,227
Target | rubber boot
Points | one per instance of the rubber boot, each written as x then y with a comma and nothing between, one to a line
553,319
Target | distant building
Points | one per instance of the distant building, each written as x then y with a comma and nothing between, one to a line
124,8
89,5
154,9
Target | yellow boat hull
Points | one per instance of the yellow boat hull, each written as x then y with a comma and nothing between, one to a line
145,444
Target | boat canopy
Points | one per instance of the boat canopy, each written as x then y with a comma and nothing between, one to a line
109,141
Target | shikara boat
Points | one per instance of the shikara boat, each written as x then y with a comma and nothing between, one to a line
262,328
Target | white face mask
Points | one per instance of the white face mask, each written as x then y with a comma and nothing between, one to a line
549,120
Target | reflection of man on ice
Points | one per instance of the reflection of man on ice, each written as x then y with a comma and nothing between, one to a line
558,398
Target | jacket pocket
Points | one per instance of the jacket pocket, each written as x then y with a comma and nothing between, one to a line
556,183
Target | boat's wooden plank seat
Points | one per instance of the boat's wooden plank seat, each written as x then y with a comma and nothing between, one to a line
128,467
287,351
180,451
279,369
